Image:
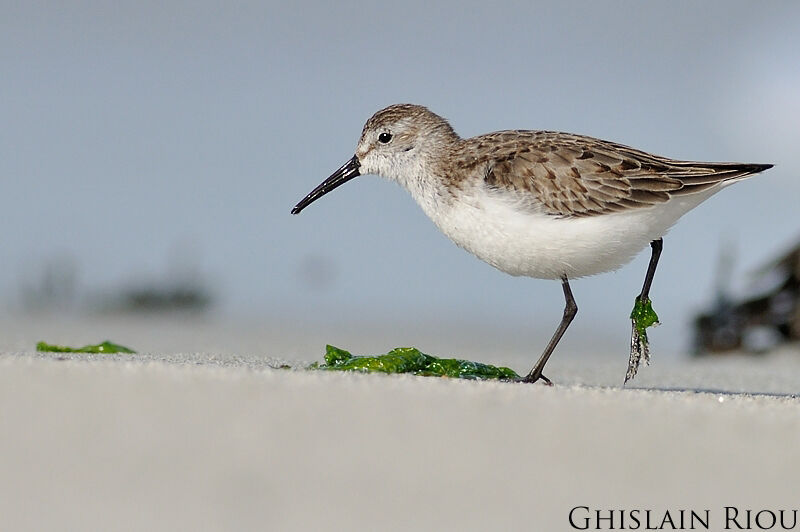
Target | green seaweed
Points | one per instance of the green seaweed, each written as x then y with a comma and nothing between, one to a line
643,316
413,361
103,348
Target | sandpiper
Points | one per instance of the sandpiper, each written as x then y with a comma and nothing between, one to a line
541,204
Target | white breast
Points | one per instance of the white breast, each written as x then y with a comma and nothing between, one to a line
519,241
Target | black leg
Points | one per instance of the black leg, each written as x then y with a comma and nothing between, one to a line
570,309
643,316
656,247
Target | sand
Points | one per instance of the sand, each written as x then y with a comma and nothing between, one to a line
215,441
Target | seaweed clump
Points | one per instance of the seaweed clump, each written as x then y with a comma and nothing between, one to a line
411,360
102,348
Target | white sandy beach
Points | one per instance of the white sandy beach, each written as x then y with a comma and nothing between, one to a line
215,441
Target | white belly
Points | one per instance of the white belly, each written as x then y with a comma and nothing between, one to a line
521,242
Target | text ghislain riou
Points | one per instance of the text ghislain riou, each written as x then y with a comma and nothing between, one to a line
727,518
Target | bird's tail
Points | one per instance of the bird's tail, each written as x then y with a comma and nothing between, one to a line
697,177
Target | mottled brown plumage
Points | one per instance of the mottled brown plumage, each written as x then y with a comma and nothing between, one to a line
560,174
573,175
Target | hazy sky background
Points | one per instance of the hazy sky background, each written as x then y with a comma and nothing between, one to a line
137,132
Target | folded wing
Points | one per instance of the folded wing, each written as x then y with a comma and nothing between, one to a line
572,175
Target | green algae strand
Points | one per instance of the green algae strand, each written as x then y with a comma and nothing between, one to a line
101,348
643,316
411,360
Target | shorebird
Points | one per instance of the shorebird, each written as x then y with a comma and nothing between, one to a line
542,204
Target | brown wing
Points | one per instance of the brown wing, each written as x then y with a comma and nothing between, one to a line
572,175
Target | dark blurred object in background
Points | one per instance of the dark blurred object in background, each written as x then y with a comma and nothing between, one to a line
317,272
152,298
182,288
52,287
759,323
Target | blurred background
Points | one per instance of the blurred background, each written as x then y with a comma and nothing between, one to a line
150,153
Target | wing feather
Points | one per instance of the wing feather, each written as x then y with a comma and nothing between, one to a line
572,175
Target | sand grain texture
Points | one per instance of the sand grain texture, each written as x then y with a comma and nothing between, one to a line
111,445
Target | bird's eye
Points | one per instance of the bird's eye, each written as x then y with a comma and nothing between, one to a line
384,138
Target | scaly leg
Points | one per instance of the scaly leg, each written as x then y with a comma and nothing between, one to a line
570,309
643,316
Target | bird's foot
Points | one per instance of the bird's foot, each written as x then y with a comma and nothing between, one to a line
642,317
533,377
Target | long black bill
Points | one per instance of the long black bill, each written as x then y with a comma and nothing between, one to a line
348,171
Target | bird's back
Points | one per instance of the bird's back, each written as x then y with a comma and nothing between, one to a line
573,175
